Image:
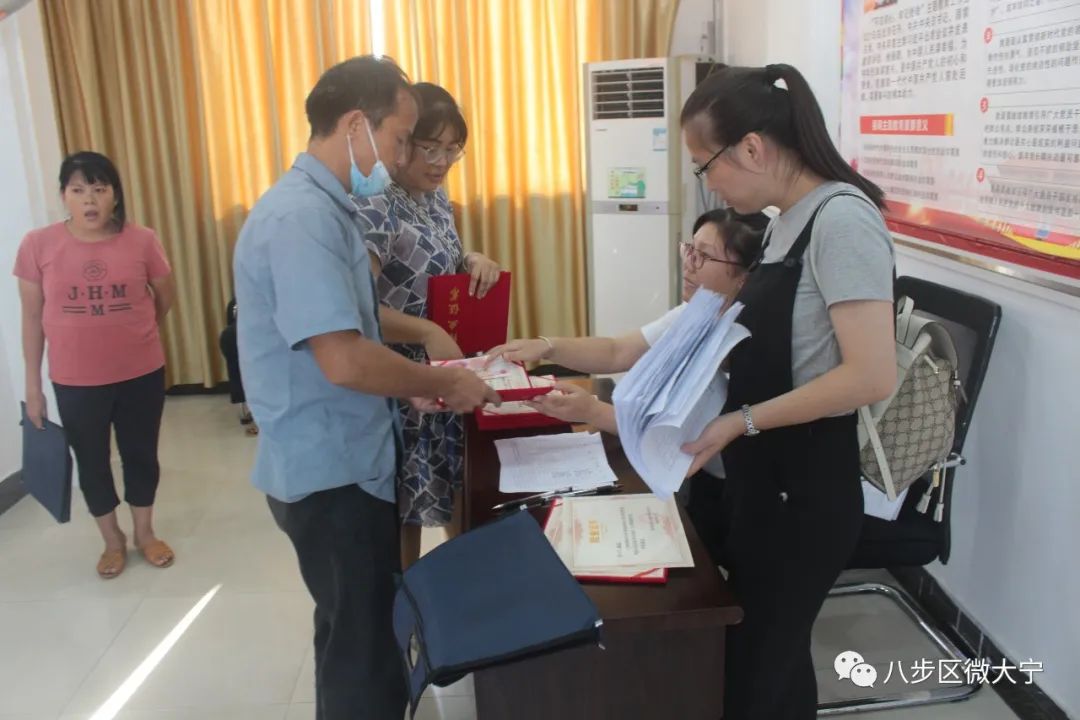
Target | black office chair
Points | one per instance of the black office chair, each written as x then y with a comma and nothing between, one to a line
915,538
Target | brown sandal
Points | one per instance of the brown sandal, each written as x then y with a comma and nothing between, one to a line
111,564
158,554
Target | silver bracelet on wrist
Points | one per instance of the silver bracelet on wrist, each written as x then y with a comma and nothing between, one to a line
751,430
551,345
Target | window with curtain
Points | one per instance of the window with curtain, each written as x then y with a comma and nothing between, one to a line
516,69
200,103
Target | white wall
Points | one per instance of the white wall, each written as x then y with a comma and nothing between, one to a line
690,25
761,32
1015,530
1015,514
30,148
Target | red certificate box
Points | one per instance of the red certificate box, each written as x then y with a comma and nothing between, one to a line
486,420
512,415
509,379
918,125
476,324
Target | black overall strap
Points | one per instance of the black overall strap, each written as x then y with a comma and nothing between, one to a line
803,241
797,250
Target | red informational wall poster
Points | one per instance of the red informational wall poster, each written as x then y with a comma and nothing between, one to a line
967,114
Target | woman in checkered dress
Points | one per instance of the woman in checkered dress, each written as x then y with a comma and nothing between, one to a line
411,237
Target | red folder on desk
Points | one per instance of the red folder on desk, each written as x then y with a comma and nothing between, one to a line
476,324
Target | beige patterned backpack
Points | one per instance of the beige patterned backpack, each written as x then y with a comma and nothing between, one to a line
911,433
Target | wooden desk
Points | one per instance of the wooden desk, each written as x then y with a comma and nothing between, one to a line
664,644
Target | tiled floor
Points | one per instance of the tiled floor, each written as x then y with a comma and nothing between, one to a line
70,640
882,633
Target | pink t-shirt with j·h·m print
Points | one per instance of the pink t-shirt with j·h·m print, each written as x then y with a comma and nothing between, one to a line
99,316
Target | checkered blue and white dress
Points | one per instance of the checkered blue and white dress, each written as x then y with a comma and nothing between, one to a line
415,239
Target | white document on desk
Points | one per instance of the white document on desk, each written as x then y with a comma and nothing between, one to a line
544,463
634,531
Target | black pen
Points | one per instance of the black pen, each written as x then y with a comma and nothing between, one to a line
532,498
543,499
603,490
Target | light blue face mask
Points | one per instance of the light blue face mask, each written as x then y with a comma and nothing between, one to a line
368,185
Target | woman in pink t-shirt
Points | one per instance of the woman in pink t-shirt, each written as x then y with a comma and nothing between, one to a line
94,290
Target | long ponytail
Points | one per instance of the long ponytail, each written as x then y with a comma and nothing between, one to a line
744,100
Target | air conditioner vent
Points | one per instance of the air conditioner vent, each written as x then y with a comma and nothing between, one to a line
623,94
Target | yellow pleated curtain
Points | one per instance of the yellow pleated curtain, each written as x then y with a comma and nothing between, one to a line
516,69
200,104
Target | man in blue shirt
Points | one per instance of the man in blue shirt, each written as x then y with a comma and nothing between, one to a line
321,384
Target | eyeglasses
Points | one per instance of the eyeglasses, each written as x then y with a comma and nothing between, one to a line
698,172
432,155
697,259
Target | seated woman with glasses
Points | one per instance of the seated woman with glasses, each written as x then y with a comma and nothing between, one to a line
410,239
725,244
723,247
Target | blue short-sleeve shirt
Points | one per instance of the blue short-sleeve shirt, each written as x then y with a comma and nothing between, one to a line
302,269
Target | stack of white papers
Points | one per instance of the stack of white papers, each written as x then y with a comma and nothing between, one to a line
675,390
544,463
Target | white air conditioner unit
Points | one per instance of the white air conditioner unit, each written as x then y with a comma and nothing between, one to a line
642,194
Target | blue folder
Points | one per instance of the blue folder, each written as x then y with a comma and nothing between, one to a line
46,467
496,594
